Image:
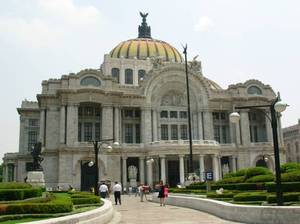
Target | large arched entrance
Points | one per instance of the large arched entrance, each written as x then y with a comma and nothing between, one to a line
261,163
88,176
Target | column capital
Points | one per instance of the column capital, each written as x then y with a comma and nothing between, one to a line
162,156
124,157
181,156
142,158
145,108
201,155
107,105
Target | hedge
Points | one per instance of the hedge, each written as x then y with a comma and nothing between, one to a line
287,197
289,167
55,206
19,194
255,171
291,176
238,186
253,196
86,200
260,179
232,180
14,185
286,187
224,195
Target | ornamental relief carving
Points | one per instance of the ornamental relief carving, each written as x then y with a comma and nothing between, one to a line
174,99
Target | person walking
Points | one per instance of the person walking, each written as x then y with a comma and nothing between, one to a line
103,189
117,192
161,193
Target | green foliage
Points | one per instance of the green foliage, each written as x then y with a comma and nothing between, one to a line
196,187
292,176
186,191
224,195
286,187
57,205
232,180
250,196
87,200
255,171
14,185
289,167
261,179
239,173
287,197
19,194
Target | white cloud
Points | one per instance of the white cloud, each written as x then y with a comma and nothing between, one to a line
51,22
204,24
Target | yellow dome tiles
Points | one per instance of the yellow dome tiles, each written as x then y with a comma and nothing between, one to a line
143,48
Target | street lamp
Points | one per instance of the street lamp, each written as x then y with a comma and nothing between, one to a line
191,168
277,106
97,145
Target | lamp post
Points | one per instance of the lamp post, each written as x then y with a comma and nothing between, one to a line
277,106
97,145
191,168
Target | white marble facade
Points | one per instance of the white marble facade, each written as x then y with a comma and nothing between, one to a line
148,119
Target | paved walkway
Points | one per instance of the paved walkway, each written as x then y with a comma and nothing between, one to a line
135,212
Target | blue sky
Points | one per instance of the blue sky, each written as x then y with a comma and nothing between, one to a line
236,40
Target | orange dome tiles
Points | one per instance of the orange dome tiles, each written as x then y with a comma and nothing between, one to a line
143,48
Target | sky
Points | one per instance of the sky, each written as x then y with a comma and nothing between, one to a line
236,40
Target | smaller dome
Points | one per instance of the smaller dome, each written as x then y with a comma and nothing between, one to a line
143,48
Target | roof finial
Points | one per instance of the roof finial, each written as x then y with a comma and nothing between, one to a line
144,29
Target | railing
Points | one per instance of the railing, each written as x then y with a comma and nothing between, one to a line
185,142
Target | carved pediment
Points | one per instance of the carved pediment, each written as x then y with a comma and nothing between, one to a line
174,99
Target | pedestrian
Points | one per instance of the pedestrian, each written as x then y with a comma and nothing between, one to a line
117,192
129,190
166,192
103,189
161,193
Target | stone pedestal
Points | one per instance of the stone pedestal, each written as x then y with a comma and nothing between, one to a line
36,178
132,183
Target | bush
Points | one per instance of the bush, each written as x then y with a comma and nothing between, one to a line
196,187
239,173
232,180
287,197
32,193
289,167
253,196
255,171
224,195
286,187
57,205
260,179
14,185
86,200
291,176
11,194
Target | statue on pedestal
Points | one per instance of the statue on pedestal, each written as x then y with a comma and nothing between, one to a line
36,155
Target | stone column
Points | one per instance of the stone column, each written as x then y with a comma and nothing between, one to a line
208,126
23,144
194,126
158,126
124,171
107,122
233,163
146,126
117,124
42,125
62,124
72,125
181,169
268,127
215,161
245,127
200,128
220,167
149,174
122,73
163,168
142,170
201,165
154,125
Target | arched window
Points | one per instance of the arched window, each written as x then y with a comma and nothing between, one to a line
128,76
90,81
141,74
261,163
297,147
115,73
254,90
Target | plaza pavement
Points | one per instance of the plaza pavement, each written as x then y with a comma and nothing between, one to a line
133,211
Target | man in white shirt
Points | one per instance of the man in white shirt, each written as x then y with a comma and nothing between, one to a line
103,189
117,192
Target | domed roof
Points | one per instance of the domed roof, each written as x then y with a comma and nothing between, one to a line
145,47
142,48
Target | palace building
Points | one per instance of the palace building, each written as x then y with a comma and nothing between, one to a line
138,97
